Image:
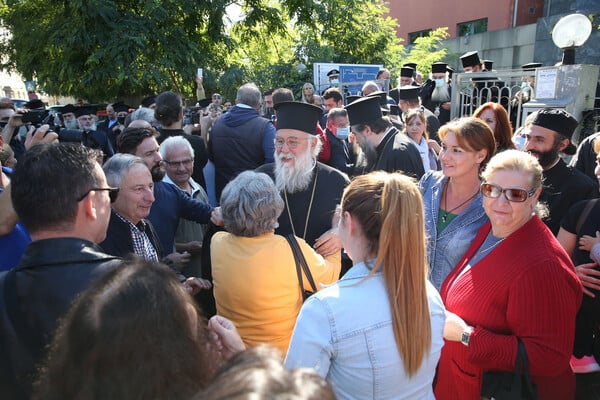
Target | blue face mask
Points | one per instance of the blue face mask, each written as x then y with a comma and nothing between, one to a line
439,82
342,133
335,81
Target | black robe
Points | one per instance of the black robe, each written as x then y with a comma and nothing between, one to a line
397,153
330,184
564,186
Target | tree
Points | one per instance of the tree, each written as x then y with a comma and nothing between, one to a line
106,49
427,50
352,32
102,49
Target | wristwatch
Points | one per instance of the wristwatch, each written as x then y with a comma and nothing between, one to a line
465,337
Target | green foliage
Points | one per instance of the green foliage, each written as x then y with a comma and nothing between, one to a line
106,49
427,50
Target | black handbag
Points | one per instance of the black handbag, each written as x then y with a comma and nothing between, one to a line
301,265
515,385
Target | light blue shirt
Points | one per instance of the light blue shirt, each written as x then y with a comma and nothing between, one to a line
444,250
345,333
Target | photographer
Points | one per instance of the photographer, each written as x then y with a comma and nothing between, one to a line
15,124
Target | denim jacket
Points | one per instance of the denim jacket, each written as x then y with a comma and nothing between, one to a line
445,250
345,333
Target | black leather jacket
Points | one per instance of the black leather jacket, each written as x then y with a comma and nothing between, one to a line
51,273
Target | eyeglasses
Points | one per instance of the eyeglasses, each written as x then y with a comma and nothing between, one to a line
182,163
292,142
512,194
216,96
112,193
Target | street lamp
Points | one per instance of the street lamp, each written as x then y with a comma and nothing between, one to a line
569,33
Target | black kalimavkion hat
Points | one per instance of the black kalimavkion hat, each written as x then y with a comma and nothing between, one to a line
364,110
559,121
297,115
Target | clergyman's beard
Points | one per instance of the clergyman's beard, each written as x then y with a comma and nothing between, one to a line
369,152
297,177
158,172
546,158
440,94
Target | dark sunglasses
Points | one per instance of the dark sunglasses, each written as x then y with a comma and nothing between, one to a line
512,194
112,193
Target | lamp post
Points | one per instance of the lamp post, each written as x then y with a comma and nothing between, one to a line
569,33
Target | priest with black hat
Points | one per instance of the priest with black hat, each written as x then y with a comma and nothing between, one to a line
548,132
471,62
87,132
406,78
310,190
384,147
435,94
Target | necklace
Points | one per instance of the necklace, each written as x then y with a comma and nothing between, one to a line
447,212
312,197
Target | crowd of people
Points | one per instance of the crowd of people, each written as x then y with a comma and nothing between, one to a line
311,247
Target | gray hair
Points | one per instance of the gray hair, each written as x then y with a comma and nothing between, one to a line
116,167
370,85
250,204
249,94
174,142
336,112
146,114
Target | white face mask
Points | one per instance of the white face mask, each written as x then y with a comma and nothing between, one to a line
342,133
439,82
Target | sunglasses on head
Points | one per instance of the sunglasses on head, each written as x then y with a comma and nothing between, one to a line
515,195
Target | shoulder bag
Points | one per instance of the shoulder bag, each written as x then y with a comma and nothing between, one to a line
515,385
301,265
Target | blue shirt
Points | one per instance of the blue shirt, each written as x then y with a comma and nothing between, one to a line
444,250
13,244
345,333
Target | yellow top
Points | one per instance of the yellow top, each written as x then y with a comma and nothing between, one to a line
256,285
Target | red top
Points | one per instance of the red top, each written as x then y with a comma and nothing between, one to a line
526,287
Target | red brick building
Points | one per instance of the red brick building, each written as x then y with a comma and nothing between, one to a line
418,17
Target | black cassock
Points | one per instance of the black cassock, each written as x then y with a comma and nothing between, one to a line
328,185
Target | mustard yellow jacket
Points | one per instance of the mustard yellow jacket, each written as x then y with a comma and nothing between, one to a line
256,285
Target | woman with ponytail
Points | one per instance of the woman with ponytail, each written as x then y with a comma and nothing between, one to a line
376,333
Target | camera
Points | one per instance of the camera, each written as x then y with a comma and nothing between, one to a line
36,117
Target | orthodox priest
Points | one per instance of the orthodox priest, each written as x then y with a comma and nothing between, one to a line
310,190
384,146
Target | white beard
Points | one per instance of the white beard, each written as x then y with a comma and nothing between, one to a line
440,94
294,178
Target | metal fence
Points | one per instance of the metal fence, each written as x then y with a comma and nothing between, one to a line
510,88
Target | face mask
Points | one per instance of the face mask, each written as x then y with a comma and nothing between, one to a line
342,133
335,81
121,120
439,82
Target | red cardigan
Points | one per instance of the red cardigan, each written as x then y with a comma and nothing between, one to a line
526,288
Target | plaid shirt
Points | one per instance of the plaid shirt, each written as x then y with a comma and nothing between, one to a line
142,246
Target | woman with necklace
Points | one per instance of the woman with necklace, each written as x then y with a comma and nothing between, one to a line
451,197
514,284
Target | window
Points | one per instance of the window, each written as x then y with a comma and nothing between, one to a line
413,36
472,27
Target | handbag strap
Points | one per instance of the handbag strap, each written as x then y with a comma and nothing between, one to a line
524,376
300,263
